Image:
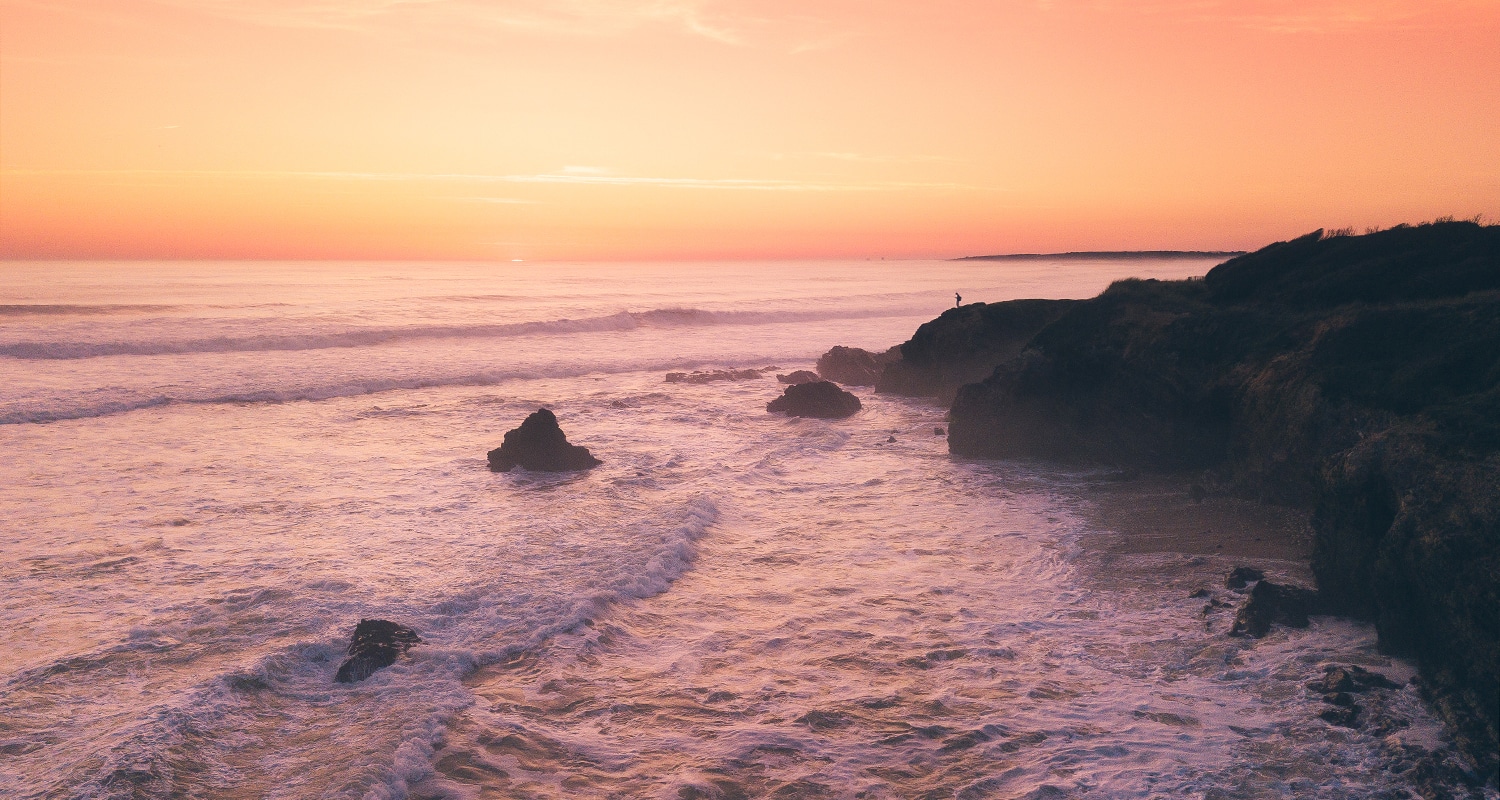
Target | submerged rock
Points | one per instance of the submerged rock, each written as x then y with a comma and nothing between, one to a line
853,366
709,376
1338,680
540,445
376,645
821,399
800,376
1274,603
1343,716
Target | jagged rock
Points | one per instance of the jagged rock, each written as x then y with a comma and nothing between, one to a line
1337,680
540,445
938,431
709,376
376,644
800,376
1274,603
1240,577
820,399
890,440
853,366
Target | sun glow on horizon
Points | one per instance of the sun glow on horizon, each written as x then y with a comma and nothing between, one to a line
677,129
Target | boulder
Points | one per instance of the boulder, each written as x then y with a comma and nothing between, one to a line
540,445
853,366
819,399
376,645
800,376
1240,577
1274,603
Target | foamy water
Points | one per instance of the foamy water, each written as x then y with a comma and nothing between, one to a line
212,471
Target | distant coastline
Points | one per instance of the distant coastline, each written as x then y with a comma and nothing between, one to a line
1114,255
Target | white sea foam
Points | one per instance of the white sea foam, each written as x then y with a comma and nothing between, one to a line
374,337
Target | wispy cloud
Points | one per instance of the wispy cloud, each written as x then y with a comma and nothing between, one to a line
570,17
866,158
1305,16
594,177
505,201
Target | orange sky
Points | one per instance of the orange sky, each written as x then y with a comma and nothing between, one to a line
637,129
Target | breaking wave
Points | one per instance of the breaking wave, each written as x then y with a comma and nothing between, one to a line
370,337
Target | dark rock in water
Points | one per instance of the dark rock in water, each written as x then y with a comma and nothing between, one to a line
709,376
1347,717
938,431
853,366
1337,680
821,399
377,643
800,376
890,440
1274,603
1339,699
1240,577
540,445
1199,593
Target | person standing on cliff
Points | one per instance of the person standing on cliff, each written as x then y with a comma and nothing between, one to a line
958,299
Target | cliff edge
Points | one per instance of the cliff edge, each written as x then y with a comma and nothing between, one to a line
1355,375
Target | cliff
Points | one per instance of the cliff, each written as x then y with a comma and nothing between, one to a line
965,345
1355,375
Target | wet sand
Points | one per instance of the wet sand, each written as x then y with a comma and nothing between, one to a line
1149,529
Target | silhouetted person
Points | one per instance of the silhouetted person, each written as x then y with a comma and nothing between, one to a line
958,299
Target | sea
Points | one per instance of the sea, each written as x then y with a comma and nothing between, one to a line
211,471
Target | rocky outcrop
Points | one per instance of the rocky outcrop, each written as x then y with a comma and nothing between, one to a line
820,399
377,643
800,376
1407,533
853,366
1240,577
1357,375
965,345
540,445
1274,603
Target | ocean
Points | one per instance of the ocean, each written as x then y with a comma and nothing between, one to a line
212,470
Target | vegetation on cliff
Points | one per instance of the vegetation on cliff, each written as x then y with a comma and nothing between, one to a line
1356,375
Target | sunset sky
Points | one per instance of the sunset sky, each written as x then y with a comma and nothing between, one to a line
666,129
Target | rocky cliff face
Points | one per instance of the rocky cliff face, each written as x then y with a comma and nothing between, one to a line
965,345
1359,375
